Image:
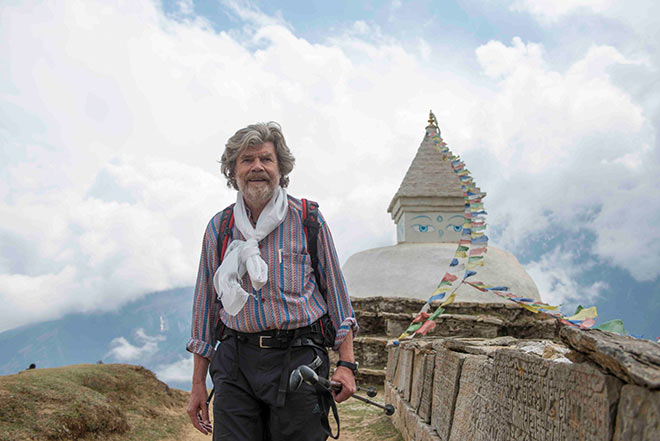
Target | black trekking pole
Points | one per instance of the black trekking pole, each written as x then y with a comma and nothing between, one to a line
309,376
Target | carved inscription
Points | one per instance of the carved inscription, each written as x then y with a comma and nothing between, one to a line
471,412
424,411
536,399
419,367
445,387
403,374
392,359
638,415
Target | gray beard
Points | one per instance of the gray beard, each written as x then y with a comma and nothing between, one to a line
258,194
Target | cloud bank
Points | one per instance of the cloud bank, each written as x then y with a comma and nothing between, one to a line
114,114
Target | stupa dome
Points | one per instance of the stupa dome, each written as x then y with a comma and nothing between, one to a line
428,210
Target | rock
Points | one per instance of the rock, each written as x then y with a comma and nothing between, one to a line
638,415
632,360
521,396
426,401
405,420
455,325
370,351
370,377
403,376
473,400
418,377
479,346
392,360
446,377
371,323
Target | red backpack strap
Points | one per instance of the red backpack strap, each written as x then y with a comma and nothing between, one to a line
224,234
224,231
310,220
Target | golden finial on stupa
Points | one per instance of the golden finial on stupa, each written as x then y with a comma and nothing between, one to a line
432,121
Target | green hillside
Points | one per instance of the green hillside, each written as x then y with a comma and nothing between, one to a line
89,402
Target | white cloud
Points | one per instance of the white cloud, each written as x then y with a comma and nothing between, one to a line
179,371
361,27
123,351
116,250
186,7
555,9
564,142
557,275
113,116
250,13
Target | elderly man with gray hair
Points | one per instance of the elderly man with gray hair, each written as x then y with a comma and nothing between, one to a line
271,291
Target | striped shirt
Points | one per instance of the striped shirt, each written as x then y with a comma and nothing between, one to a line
289,300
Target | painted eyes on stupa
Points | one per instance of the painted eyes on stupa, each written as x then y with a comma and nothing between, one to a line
423,228
456,228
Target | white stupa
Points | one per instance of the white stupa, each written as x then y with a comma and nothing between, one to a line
428,212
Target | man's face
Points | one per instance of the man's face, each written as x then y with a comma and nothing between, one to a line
257,173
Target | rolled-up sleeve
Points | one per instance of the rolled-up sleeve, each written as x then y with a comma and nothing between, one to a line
205,310
339,303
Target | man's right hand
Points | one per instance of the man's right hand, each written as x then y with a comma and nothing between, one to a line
198,410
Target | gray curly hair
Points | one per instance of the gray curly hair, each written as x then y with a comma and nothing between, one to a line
251,136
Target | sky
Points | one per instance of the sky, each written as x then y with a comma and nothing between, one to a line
113,115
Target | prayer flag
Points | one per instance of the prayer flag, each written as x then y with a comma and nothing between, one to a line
426,327
422,316
584,313
615,326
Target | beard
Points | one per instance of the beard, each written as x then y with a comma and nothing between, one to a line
258,192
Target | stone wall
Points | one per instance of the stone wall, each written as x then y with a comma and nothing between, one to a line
587,385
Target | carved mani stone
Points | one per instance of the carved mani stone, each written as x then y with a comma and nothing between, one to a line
638,416
426,400
445,388
532,398
631,359
472,402
403,375
392,359
420,374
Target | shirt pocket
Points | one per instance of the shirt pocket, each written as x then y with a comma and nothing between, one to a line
295,270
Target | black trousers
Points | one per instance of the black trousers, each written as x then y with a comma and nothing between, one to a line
245,397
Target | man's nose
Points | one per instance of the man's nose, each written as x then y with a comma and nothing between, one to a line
257,165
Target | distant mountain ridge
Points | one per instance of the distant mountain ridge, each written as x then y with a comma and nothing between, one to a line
163,316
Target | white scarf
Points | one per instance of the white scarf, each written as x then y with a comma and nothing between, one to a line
242,255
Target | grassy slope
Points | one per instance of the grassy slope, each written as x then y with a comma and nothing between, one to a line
89,402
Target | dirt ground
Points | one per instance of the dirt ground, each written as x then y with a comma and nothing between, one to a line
359,421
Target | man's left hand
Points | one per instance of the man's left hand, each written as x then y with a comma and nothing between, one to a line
344,376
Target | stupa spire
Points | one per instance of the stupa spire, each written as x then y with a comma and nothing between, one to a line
429,205
433,124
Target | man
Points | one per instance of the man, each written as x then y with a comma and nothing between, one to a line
272,310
